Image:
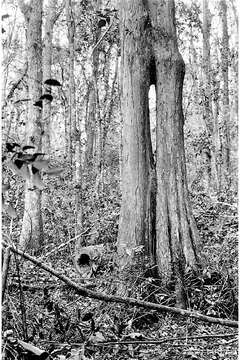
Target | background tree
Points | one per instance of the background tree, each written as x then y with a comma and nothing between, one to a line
210,154
74,131
47,67
32,232
225,95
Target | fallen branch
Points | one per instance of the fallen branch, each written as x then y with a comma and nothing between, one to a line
81,290
147,341
164,340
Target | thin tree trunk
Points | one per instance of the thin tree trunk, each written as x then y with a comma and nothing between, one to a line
78,199
98,119
108,112
210,152
93,119
225,97
76,141
96,172
216,131
71,124
32,232
47,64
90,128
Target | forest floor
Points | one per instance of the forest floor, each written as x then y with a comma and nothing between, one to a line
40,309
64,323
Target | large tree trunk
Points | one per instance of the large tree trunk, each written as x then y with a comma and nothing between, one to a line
31,234
175,227
136,216
150,55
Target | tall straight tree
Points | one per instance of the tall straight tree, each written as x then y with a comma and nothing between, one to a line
225,97
92,114
72,108
211,126
71,85
31,234
90,126
47,64
136,216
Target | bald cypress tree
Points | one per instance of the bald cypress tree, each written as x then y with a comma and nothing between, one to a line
150,55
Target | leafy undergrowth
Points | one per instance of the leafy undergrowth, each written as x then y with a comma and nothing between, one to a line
217,221
69,326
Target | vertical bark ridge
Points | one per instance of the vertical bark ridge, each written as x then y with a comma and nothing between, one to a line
150,55
174,238
137,163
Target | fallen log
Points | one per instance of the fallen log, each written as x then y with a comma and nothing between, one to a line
81,290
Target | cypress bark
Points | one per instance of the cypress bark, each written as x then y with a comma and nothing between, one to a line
175,227
150,55
136,216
